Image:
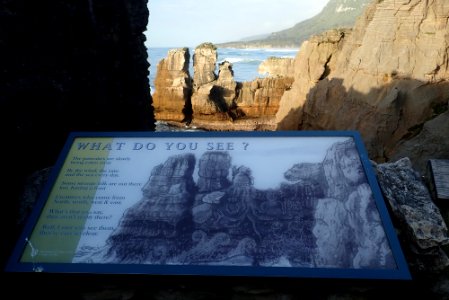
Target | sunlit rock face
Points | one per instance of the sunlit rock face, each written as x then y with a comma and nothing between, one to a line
204,64
212,96
216,101
385,78
277,66
226,83
261,97
173,86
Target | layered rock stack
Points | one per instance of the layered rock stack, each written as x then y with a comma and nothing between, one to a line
171,100
277,66
226,85
204,64
218,102
260,98
208,99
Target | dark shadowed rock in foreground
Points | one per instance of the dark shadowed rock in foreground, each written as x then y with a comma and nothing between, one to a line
67,66
420,218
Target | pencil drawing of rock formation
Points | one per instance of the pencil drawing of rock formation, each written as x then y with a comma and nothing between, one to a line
323,215
158,226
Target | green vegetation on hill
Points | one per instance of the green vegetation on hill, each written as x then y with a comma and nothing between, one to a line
336,14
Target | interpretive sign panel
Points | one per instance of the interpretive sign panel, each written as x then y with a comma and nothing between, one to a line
293,204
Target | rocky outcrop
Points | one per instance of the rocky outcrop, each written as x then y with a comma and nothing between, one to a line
411,203
173,86
312,63
261,97
204,64
212,96
277,66
432,142
216,102
387,77
226,85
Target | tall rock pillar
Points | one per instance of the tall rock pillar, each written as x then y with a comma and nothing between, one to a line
171,100
204,64
209,99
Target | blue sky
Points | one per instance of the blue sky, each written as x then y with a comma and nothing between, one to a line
180,23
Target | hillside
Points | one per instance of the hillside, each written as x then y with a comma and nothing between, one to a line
336,14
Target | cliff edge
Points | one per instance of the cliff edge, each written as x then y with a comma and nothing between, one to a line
387,77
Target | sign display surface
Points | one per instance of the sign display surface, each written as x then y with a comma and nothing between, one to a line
293,204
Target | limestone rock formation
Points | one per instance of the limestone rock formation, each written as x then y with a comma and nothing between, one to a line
226,85
173,86
277,66
261,97
412,205
312,63
385,78
216,102
432,142
212,96
204,64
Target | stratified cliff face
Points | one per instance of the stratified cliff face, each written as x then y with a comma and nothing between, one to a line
386,78
313,63
173,86
261,96
208,99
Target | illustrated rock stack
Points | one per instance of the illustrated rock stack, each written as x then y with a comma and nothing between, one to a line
155,228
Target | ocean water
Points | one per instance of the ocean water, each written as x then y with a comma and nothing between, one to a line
245,62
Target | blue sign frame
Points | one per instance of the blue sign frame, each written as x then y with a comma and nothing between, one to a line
212,204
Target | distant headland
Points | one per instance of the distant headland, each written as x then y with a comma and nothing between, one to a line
336,14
